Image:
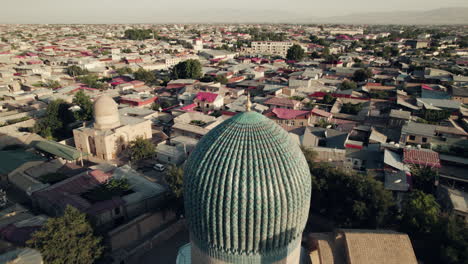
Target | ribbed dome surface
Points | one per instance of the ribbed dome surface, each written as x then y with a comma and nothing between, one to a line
247,191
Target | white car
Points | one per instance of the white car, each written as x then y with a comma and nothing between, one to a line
159,167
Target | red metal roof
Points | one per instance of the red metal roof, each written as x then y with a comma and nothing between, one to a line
206,97
423,157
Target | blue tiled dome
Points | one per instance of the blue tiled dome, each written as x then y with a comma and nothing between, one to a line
247,191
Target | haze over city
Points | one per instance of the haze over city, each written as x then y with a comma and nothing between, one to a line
207,11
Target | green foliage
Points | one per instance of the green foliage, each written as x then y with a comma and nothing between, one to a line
420,213
126,50
141,148
295,52
84,102
435,115
189,69
362,75
145,76
56,120
111,188
346,85
124,70
76,71
138,34
323,123
17,120
297,98
52,178
175,178
221,79
155,106
452,235
351,200
351,109
67,239
198,123
49,84
258,35
381,94
91,81
328,99
424,178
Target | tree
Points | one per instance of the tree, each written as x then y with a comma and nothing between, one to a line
145,76
420,213
86,106
155,106
350,199
67,239
56,120
141,148
138,34
435,115
221,79
91,81
295,53
362,75
124,70
452,235
351,109
328,99
424,178
175,178
76,71
189,69
347,85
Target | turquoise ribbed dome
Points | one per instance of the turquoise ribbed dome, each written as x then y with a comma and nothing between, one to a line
247,191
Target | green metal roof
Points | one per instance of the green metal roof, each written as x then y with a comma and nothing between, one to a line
12,159
57,149
247,190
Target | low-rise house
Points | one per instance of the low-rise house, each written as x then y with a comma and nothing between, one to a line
83,192
278,102
208,102
177,151
356,246
397,118
289,117
417,133
455,201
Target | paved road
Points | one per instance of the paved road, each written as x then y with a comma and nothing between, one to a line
166,253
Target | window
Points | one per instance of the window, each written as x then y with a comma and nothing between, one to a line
424,139
117,211
412,137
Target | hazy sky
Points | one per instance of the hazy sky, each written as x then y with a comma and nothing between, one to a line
156,11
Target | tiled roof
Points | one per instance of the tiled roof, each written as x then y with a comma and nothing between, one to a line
280,101
283,113
321,112
421,157
372,246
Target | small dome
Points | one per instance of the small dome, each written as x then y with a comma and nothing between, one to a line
247,190
106,114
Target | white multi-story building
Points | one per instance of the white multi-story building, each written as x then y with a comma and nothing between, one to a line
271,47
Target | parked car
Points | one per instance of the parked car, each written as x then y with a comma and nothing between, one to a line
159,167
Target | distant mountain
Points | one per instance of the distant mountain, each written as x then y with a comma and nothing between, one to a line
457,15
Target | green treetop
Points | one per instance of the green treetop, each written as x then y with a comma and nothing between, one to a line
67,239
295,52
